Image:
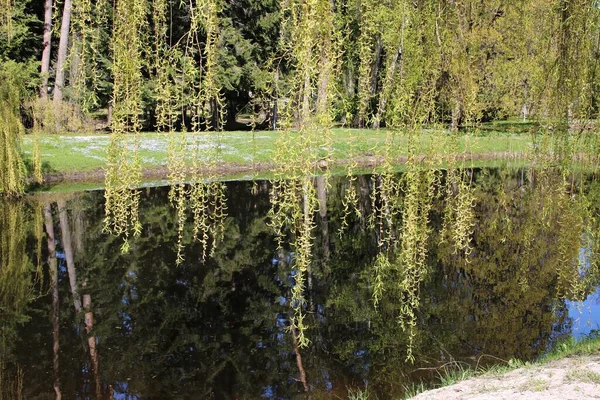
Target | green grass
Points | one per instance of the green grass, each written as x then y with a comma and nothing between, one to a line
360,394
583,376
85,153
568,348
535,385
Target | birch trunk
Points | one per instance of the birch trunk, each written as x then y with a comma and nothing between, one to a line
46,46
63,44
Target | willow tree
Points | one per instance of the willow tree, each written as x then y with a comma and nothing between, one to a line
12,167
572,76
416,63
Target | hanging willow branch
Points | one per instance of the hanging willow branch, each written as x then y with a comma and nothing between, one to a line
123,175
12,167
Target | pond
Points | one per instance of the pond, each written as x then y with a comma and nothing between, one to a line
100,323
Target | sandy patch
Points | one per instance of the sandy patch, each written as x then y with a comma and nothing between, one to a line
573,378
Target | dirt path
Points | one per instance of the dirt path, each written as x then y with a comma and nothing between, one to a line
576,378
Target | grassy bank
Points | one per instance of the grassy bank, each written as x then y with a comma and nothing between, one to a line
72,153
457,372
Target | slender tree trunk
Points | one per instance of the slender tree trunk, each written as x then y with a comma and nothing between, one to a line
304,117
53,269
372,85
375,66
457,116
75,66
326,68
349,82
89,325
323,83
214,108
63,44
275,111
388,82
307,221
46,46
299,361
322,196
68,247
79,232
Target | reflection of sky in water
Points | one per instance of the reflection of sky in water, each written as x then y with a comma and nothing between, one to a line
585,315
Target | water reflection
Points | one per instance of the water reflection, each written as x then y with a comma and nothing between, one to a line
585,315
99,324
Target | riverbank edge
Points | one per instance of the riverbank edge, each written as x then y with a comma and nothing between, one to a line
568,349
225,169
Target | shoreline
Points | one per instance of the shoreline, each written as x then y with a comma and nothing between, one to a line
570,371
225,169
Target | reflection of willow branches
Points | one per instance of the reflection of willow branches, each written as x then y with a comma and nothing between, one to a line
459,217
294,204
16,287
401,265
572,212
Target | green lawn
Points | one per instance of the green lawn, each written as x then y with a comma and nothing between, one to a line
73,153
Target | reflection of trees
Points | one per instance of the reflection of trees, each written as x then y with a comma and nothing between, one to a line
17,290
16,287
53,272
197,328
68,250
501,300
218,328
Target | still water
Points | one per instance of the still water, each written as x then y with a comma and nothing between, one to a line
137,326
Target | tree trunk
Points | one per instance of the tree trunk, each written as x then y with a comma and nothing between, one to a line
375,67
361,117
389,78
349,85
299,361
89,325
275,111
326,68
68,247
305,114
59,83
322,196
79,232
322,100
75,78
109,112
457,116
53,270
307,222
46,46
